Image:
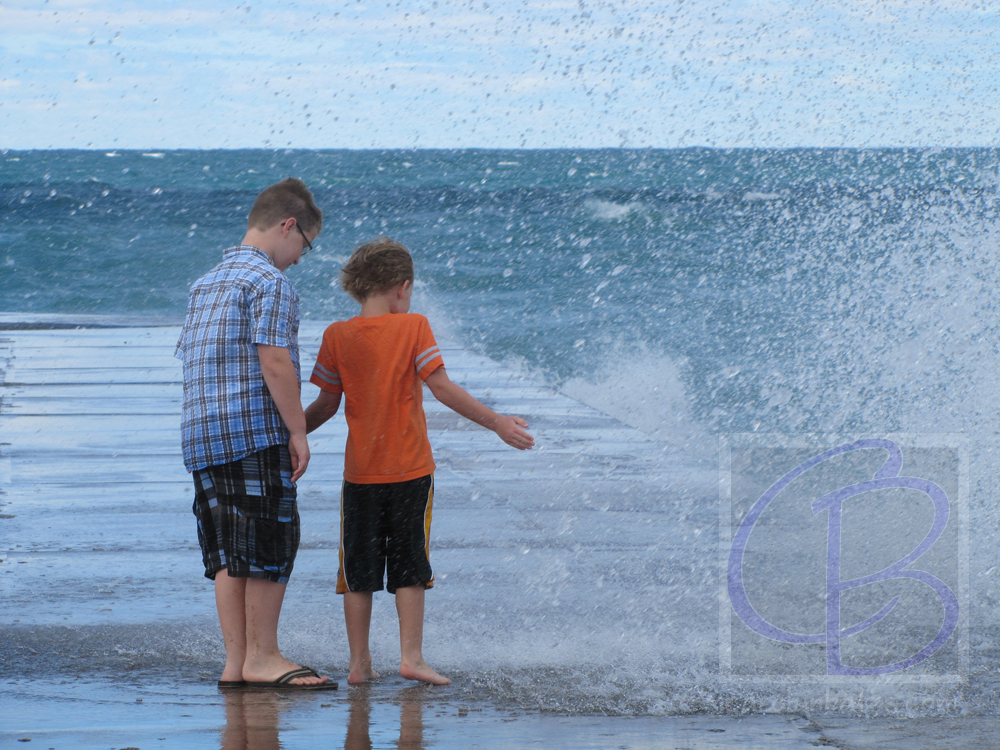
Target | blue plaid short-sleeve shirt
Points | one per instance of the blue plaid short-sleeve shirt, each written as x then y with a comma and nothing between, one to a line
228,412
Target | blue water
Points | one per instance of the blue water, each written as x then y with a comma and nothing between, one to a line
794,290
692,294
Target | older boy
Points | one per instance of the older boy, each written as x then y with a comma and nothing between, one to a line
378,360
244,432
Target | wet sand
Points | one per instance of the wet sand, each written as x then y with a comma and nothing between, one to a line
394,713
107,631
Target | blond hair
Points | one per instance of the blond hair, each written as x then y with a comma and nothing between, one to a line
376,266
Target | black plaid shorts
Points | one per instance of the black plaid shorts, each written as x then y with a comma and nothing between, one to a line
248,518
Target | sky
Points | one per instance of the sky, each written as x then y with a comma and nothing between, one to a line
357,74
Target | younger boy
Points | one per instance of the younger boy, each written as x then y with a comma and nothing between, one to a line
378,360
244,432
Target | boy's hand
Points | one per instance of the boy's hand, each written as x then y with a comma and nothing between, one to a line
283,385
298,449
511,431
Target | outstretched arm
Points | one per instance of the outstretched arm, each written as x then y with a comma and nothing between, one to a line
322,409
509,429
279,374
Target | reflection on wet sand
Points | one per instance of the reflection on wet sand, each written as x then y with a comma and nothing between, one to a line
411,719
252,721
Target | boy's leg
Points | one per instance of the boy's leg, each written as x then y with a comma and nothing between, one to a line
410,607
248,613
230,601
264,662
409,572
362,568
358,616
229,498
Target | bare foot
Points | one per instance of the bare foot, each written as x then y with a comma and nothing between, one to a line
362,672
421,671
272,669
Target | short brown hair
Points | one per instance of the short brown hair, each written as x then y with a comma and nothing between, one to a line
376,266
283,200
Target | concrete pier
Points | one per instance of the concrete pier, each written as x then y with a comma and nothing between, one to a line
107,628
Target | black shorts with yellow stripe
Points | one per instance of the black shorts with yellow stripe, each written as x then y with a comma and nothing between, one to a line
385,530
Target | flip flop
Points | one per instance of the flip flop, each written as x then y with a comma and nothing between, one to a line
285,681
232,684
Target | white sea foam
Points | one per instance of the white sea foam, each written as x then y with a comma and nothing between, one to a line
427,304
644,390
755,196
611,211
914,337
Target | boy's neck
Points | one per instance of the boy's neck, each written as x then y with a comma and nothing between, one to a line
375,306
263,240
283,243
392,301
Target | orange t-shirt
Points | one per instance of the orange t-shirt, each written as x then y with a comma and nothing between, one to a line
379,364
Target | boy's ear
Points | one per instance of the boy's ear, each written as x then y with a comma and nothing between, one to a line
404,286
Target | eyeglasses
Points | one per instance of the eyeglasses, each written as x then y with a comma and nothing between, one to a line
308,248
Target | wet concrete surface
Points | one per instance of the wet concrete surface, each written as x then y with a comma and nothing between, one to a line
549,563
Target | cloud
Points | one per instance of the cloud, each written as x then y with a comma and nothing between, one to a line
507,73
